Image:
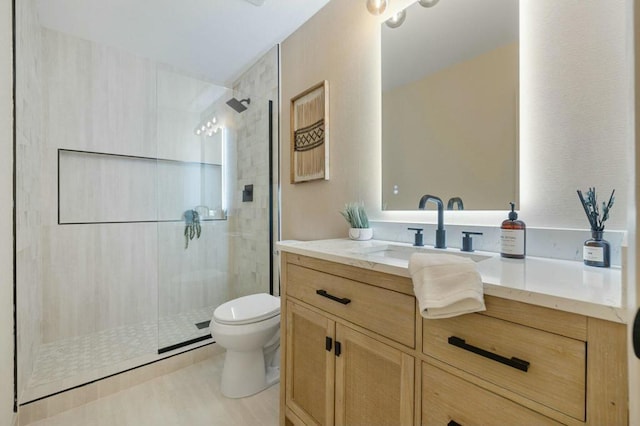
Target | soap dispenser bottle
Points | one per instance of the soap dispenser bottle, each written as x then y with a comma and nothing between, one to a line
513,236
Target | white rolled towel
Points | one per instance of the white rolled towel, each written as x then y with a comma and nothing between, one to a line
446,285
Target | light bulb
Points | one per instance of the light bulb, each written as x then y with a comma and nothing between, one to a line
396,20
198,132
214,120
209,124
203,128
376,7
428,3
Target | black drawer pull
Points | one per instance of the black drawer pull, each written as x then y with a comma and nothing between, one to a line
511,362
342,300
453,423
328,343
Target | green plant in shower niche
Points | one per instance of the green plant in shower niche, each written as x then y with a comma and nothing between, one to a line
191,226
355,214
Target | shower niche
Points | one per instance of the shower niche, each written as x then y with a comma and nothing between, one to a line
95,187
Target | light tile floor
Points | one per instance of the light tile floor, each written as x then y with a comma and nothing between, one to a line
189,397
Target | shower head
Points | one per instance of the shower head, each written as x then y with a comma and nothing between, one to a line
238,104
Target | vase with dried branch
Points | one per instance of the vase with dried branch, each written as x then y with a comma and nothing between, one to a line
596,251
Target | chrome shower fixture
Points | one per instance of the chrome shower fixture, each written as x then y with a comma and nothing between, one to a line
237,105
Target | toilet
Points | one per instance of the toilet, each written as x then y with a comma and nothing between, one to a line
249,329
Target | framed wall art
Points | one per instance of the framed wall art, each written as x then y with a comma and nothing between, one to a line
310,134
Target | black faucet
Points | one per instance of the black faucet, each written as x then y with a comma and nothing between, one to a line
441,238
453,201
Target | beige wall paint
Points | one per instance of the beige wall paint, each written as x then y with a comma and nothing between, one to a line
454,133
574,122
6,215
340,44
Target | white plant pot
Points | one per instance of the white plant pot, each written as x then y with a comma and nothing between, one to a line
360,234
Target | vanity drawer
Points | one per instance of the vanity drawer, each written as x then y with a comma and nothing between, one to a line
384,311
447,399
484,346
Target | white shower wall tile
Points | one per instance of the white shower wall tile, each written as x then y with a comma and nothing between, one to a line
100,98
563,244
29,212
99,277
251,219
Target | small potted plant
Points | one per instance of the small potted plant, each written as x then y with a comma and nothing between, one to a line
356,216
596,251
192,226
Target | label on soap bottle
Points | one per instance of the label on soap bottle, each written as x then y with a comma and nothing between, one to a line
512,241
593,254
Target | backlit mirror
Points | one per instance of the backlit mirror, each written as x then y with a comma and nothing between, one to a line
450,105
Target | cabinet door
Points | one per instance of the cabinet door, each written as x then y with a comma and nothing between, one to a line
310,365
374,382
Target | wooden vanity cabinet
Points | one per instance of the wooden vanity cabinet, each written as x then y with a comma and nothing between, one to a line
335,371
356,352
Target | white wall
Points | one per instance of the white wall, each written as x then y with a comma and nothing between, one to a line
29,212
6,215
574,125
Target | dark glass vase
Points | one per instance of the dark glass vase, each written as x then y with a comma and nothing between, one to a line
596,251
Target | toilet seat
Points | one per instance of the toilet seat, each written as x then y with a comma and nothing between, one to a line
247,309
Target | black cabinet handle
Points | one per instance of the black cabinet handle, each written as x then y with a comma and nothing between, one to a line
338,348
511,362
328,342
636,334
453,423
342,300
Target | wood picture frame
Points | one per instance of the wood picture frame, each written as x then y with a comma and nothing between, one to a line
310,134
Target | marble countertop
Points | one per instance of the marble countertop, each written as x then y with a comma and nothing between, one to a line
558,284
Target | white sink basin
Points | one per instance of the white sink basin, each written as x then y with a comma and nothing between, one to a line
404,252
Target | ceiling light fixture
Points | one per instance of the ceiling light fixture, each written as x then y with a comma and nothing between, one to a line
428,3
396,20
377,7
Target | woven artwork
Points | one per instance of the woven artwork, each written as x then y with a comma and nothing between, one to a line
309,141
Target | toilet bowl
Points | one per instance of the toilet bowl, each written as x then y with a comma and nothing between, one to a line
249,329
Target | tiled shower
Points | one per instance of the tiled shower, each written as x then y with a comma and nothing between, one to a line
108,162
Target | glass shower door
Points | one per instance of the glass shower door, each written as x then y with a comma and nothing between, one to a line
213,204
